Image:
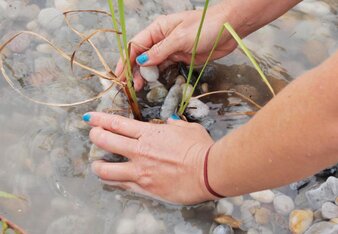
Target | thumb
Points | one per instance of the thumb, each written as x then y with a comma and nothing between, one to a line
158,52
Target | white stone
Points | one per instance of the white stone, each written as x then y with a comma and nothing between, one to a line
265,196
224,207
14,9
238,200
317,8
171,102
150,74
30,11
252,231
44,48
3,9
248,209
64,5
300,221
43,63
146,223
323,228
51,18
186,228
329,210
20,43
126,226
283,204
223,229
197,109
32,25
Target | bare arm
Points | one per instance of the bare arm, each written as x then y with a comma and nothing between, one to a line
295,135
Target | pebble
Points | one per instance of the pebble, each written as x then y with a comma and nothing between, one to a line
150,74
20,43
44,63
157,94
30,11
197,109
180,80
171,102
186,228
44,48
262,215
204,88
283,204
248,209
265,196
223,229
189,87
14,9
126,226
224,207
323,228
32,25
50,18
238,200
328,191
65,5
329,210
67,225
300,221
146,223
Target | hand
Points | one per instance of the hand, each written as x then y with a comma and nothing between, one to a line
172,38
165,160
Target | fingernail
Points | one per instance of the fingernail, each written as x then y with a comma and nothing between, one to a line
86,117
143,58
175,117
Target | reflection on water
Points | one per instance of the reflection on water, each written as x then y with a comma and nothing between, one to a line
44,150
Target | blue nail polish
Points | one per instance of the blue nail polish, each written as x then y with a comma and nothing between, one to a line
175,117
143,58
86,117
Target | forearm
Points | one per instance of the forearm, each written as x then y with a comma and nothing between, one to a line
246,16
293,136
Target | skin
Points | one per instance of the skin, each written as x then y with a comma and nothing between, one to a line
292,137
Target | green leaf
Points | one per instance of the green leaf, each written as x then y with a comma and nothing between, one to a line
8,195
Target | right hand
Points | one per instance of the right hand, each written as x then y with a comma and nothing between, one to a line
172,38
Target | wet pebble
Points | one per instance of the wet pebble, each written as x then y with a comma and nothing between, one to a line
68,225
20,43
180,80
185,228
50,18
223,229
150,74
14,9
265,196
171,102
238,200
283,204
44,48
262,215
197,109
146,223
126,226
224,207
157,94
248,209
323,227
300,221
329,210
204,88
65,5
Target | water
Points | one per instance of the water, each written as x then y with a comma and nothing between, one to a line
44,150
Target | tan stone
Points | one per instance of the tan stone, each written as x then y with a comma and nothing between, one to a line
300,221
262,215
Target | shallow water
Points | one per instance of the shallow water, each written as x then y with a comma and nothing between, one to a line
44,150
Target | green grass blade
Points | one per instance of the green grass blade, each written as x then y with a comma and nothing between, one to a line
249,55
8,195
193,56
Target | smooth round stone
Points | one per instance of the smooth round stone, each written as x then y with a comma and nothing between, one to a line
146,223
20,43
68,225
3,8
32,25
64,5
262,215
50,18
43,63
334,220
180,80
265,196
30,11
283,204
187,87
252,231
44,48
224,207
126,226
204,88
323,228
238,200
185,228
329,210
157,94
197,109
300,221
14,9
150,74
171,102
223,229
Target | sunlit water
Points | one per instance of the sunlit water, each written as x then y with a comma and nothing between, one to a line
44,150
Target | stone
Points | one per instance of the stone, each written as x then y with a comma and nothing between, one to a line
157,94
44,63
252,231
186,228
68,225
328,191
189,89
329,210
323,228
44,48
300,221
334,220
302,183
32,25
20,43
171,102
30,11
283,204
315,51
248,209
238,200
126,226
146,223
150,74
228,220
180,80
262,215
197,109
14,9
265,196
65,5
204,88
10,231
50,18
224,207
223,229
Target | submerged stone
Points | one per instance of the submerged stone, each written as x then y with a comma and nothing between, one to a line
323,227
265,196
329,210
223,229
283,204
51,18
300,221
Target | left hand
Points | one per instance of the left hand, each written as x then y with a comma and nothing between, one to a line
165,160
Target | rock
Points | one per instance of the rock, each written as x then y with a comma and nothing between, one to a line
323,228
44,48
302,183
133,5
283,204
65,5
224,207
315,51
262,215
171,102
300,221
44,63
14,9
150,74
50,18
328,191
248,91
252,231
186,228
68,225
334,220
223,229
157,94
197,109
228,220
180,80
126,226
329,210
32,25
189,91
30,11
204,88
146,223
20,43
238,200
265,196
248,209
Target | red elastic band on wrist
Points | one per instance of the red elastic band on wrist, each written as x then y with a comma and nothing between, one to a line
206,180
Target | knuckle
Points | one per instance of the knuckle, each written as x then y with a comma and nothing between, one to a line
115,123
102,172
142,150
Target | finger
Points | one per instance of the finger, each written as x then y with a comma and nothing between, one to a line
113,143
138,80
114,171
116,124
